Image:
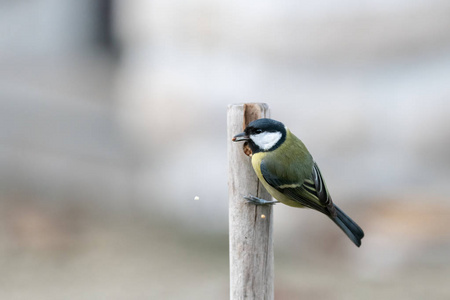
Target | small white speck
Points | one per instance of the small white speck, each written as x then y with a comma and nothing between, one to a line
196,198
263,216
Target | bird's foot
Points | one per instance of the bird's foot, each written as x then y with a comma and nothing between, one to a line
258,201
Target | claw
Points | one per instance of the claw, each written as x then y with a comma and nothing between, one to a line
258,201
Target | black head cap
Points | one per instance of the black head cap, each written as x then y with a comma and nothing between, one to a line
265,124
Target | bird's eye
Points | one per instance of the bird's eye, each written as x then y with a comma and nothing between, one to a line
258,131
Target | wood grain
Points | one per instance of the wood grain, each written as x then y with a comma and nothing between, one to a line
251,242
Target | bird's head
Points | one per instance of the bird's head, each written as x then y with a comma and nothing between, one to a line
263,135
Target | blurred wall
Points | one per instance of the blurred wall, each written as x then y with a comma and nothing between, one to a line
45,27
59,140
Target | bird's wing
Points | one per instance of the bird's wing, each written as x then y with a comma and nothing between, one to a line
311,192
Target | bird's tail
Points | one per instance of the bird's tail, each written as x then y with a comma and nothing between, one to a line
351,229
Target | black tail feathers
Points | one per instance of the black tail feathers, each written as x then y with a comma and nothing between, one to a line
351,229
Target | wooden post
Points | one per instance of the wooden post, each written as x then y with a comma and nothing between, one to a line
251,243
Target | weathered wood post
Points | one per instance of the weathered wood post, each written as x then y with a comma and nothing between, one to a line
251,243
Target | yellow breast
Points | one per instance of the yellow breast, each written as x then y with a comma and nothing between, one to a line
256,163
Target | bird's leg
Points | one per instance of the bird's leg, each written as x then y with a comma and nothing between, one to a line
258,201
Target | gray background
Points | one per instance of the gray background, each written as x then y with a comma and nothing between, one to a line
113,118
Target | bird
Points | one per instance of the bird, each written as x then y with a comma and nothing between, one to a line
289,173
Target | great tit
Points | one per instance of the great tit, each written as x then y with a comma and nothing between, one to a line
288,172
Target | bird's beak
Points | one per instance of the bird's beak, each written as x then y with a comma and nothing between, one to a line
240,137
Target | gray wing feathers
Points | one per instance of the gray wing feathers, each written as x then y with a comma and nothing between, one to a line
310,192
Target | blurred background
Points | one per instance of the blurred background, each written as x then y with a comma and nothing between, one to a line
113,118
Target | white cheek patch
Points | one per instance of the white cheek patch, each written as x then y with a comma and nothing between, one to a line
266,140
